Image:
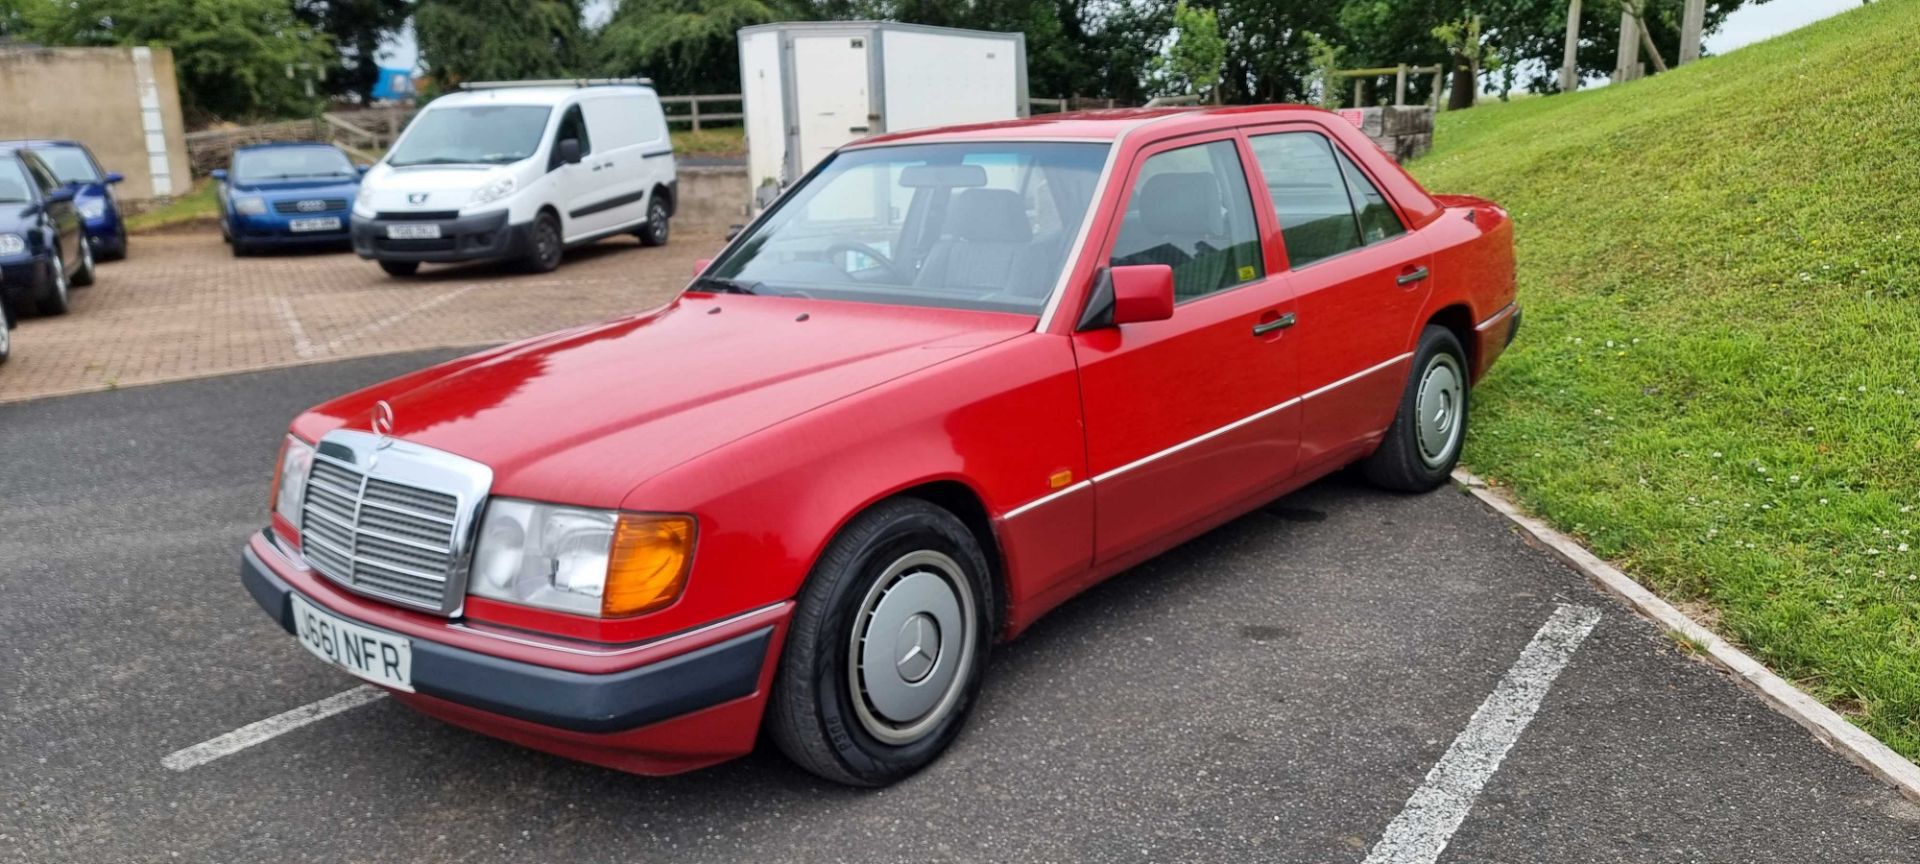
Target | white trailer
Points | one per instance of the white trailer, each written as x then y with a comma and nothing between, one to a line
809,87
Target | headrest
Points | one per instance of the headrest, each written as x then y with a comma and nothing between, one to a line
989,216
1182,204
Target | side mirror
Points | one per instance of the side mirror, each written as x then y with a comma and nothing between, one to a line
220,174
734,230
1141,293
568,150
114,177
700,266
362,167
64,193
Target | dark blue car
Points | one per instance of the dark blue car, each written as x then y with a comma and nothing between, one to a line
43,251
73,164
277,195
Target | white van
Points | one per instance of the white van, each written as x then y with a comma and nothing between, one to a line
519,171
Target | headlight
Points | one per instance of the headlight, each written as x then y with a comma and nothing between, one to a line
12,244
93,208
250,206
362,207
492,192
290,479
587,562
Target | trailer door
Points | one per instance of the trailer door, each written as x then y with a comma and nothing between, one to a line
830,91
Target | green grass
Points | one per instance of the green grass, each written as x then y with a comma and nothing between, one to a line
196,206
1718,380
722,141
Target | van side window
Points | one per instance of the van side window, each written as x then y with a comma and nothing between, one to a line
1377,219
1190,209
1309,196
572,125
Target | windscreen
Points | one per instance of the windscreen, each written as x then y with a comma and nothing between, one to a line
70,164
289,163
984,225
474,134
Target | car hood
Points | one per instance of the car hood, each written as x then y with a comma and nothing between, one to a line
443,187
583,416
290,188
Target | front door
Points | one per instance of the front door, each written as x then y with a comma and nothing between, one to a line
1191,416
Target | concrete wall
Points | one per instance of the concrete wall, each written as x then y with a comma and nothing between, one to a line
94,95
712,196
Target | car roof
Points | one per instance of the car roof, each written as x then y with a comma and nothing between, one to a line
1110,124
545,96
42,142
284,145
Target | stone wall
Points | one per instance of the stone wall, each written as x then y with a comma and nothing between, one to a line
1403,131
106,98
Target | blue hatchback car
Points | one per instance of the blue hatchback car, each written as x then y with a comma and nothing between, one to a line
43,251
279,195
73,164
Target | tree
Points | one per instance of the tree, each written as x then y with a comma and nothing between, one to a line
499,40
357,27
235,59
686,46
1192,63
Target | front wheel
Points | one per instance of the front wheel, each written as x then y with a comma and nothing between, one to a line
84,276
400,268
887,647
547,245
58,300
1424,442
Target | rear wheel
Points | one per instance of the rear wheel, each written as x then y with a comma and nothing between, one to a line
84,276
547,245
400,268
58,298
654,232
1423,444
887,647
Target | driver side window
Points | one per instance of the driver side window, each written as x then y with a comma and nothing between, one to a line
1190,209
572,125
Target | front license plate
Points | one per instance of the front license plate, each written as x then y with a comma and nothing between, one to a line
318,223
382,658
413,232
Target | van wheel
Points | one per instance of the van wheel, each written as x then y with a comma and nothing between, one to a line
547,245
1424,442
887,647
654,233
400,268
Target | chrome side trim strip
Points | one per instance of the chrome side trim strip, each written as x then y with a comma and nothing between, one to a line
1080,239
1047,498
1197,440
1497,316
629,649
1355,377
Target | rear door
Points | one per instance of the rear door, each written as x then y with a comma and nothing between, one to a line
1190,416
1360,278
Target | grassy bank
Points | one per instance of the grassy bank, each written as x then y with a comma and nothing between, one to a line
1718,381
196,206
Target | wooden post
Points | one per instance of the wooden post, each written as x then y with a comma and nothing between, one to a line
1570,62
1359,94
1439,88
1400,86
695,104
1692,22
1628,62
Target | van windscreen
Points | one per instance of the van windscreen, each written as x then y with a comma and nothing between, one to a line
483,134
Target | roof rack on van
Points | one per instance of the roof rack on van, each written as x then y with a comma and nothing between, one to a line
556,82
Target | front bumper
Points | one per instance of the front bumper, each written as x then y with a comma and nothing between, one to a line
632,708
477,237
26,279
274,230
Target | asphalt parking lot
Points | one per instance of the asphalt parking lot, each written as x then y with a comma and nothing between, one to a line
1277,690
182,306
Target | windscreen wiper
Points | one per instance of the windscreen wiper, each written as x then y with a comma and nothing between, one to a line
722,285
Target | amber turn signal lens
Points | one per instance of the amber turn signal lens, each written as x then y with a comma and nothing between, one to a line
647,568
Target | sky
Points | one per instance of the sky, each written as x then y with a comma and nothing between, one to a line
1747,25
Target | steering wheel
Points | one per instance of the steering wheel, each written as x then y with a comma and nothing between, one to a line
875,254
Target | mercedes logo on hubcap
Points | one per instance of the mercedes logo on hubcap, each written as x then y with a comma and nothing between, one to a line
919,648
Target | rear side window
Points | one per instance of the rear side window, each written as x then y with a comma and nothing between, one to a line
1377,219
1309,194
1190,209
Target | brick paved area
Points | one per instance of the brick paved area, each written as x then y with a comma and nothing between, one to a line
181,307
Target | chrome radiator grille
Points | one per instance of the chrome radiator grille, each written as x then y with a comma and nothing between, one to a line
405,542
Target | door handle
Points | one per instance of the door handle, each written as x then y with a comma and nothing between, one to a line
1280,323
1417,274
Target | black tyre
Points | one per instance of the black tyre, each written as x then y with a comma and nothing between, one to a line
116,251
548,245
400,268
658,225
6,331
58,297
887,647
239,248
1423,444
84,276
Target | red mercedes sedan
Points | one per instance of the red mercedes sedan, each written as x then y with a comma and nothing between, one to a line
950,379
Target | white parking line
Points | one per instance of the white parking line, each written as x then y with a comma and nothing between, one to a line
279,724
378,325
1423,828
302,346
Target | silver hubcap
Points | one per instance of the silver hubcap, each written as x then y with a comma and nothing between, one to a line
59,276
86,255
1440,403
6,336
912,647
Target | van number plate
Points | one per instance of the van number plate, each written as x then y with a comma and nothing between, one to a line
413,232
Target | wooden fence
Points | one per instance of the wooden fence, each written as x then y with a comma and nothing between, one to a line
1362,77
693,113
